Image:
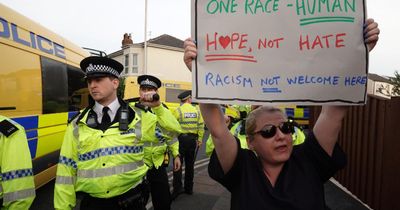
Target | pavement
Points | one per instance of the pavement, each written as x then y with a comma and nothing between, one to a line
207,194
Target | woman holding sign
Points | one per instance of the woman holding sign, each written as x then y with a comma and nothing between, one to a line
273,174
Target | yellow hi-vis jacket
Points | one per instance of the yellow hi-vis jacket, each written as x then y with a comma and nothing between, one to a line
17,187
165,135
190,119
102,164
235,130
298,136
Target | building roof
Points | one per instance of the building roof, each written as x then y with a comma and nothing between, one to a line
378,78
167,40
164,41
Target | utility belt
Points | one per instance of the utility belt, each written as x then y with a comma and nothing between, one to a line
186,135
135,198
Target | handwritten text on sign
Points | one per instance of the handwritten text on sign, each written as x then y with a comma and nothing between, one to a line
293,51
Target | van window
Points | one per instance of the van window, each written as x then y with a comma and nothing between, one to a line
77,89
54,86
171,95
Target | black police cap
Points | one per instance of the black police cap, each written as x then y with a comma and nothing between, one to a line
149,81
95,66
185,95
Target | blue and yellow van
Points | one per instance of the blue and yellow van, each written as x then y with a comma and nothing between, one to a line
41,86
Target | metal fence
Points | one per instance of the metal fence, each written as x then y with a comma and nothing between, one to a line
371,138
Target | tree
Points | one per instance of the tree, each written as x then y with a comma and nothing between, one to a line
396,83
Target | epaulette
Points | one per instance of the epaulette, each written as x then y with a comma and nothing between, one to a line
165,105
7,128
141,106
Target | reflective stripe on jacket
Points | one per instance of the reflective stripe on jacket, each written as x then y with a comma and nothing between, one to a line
17,187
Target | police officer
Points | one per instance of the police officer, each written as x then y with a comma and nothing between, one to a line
298,135
238,129
102,152
17,188
156,152
190,139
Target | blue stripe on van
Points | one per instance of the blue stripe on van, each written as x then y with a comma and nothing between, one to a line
289,112
29,123
31,134
33,146
72,114
306,112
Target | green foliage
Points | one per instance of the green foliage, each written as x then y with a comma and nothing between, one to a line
396,82
121,88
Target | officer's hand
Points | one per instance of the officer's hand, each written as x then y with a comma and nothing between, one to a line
371,33
199,143
177,163
147,99
190,52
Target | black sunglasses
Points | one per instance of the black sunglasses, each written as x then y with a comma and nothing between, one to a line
269,131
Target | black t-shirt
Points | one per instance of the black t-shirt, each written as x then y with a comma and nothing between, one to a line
299,185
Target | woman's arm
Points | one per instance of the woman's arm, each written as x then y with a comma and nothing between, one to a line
329,122
224,142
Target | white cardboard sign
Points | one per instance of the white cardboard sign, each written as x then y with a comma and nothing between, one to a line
276,51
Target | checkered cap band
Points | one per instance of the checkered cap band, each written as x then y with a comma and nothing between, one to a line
148,82
101,69
183,99
10,175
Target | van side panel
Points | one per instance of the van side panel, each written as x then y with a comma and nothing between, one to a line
20,82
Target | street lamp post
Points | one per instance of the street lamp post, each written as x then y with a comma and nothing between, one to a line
145,37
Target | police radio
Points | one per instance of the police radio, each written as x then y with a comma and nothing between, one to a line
124,118
156,97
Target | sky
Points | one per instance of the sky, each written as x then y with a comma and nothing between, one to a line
100,24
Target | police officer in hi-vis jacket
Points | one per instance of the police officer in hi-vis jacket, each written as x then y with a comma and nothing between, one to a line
102,155
17,188
189,116
156,152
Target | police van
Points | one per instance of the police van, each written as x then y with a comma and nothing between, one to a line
41,86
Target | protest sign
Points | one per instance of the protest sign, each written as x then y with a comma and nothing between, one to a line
276,51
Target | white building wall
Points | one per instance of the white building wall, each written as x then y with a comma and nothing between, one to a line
167,65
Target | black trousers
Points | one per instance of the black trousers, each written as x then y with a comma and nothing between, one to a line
159,188
187,147
135,198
